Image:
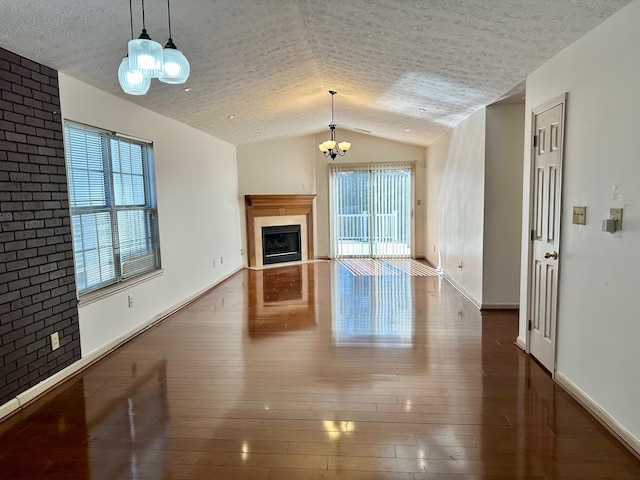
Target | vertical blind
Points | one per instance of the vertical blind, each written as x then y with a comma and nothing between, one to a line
371,210
113,206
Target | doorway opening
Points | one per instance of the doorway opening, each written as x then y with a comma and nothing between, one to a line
371,214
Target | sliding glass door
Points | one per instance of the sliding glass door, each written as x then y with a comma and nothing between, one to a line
371,210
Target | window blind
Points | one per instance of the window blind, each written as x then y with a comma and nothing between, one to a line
113,206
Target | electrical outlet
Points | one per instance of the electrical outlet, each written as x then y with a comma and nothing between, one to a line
241,252
130,301
55,341
214,263
460,265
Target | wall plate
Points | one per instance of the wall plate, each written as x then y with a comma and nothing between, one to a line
616,214
579,215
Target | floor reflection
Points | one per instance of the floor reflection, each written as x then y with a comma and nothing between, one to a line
282,299
97,426
128,431
371,309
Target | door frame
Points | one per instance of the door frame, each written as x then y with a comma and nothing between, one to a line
559,100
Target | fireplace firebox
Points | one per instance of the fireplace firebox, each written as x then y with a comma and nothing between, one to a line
280,244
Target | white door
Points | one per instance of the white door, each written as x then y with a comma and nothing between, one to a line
548,131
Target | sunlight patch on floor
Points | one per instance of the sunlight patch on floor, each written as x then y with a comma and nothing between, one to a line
372,267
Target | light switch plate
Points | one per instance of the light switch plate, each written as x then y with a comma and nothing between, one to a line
55,341
616,214
580,215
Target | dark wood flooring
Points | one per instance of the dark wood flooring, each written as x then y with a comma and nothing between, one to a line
310,372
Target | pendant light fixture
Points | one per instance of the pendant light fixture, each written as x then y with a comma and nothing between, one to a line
145,55
329,147
132,81
175,68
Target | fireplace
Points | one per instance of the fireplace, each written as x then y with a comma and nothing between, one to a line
281,243
278,210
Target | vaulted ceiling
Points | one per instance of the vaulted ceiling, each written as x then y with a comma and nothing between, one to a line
406,70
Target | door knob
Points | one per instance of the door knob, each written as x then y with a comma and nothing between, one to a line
553,255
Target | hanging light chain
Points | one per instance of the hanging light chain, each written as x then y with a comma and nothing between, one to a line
144,28
169,17
332,95
131,17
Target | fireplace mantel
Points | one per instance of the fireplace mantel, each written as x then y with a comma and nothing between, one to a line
257,206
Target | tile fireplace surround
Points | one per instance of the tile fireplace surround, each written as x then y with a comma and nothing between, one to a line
271,210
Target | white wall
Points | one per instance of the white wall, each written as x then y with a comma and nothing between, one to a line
281,167
455,204
366,149
198,211
502,206
599,316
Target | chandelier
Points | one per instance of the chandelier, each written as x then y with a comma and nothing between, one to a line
147,59
329,147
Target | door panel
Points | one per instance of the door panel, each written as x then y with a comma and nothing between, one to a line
547,184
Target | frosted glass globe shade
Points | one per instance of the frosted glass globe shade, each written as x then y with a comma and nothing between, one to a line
175,68
132,81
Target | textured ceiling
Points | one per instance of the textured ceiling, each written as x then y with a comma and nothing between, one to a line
406,70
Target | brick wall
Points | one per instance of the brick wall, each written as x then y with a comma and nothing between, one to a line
37,284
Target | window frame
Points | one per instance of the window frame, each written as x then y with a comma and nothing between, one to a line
151,265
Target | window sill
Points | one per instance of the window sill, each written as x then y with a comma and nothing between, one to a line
105,292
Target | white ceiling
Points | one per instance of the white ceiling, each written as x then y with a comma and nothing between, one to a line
270,63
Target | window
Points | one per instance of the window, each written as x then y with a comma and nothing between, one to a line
113,206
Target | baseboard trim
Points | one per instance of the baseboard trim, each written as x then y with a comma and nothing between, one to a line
9,408
607,421
431,264
500,306
22,400
521,344
462,291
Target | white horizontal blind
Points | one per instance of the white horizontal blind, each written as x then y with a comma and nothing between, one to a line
113,208
371,209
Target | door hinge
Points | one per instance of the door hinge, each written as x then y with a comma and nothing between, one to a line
529,325
533,235
535,140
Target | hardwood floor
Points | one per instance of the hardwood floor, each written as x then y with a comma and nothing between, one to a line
310,372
